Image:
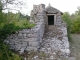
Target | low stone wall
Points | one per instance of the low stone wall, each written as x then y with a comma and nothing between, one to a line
29,39
26,39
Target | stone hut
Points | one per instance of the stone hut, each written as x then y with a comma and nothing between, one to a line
34,39
52,15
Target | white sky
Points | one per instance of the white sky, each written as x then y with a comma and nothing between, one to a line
62,5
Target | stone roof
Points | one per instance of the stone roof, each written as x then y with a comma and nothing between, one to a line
51,10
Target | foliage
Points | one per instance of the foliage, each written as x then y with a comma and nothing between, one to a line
24,24
73,22
9,23
4,51
15,5
6,54
8,29
75,27
15,57
67,19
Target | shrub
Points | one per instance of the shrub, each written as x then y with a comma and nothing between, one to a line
8,29
67,19
75,28
24,24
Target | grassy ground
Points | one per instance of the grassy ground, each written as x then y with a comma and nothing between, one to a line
75,46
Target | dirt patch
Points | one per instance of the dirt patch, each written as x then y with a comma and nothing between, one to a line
75,46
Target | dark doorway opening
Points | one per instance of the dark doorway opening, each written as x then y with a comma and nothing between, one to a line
50,19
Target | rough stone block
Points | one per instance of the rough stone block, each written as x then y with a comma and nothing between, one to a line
65,52
21,50
33,44
24,44
32,35
19,34
24,35
29,48
30,39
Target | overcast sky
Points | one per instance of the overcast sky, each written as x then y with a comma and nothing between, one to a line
62,5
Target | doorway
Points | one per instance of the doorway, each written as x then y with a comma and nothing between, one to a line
50,19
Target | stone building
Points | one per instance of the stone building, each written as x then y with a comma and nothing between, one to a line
52,15
45,19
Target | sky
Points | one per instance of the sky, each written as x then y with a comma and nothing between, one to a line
63,5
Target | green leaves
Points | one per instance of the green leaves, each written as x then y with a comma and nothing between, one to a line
73,21
75,28
9,24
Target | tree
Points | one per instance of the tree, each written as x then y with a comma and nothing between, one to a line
66,18
2,16
78,11
75,27
16,5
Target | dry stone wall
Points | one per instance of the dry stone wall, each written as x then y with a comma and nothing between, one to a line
29,39
58,19
26,39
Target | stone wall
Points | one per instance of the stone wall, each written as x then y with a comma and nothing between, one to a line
29,39
58,19
26,39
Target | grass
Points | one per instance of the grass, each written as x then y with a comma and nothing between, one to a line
75,46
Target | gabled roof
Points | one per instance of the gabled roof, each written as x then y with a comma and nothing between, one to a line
51,10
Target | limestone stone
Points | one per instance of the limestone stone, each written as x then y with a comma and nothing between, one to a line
29,48
20,34
51,57
35,57
32,35
33,44
65,52
21,50
30,39
24,35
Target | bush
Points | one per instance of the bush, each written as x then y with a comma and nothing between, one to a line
75,28
8,25
66,17
6,54
24,24
8,29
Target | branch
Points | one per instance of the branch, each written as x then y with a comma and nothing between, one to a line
11,9
16,3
